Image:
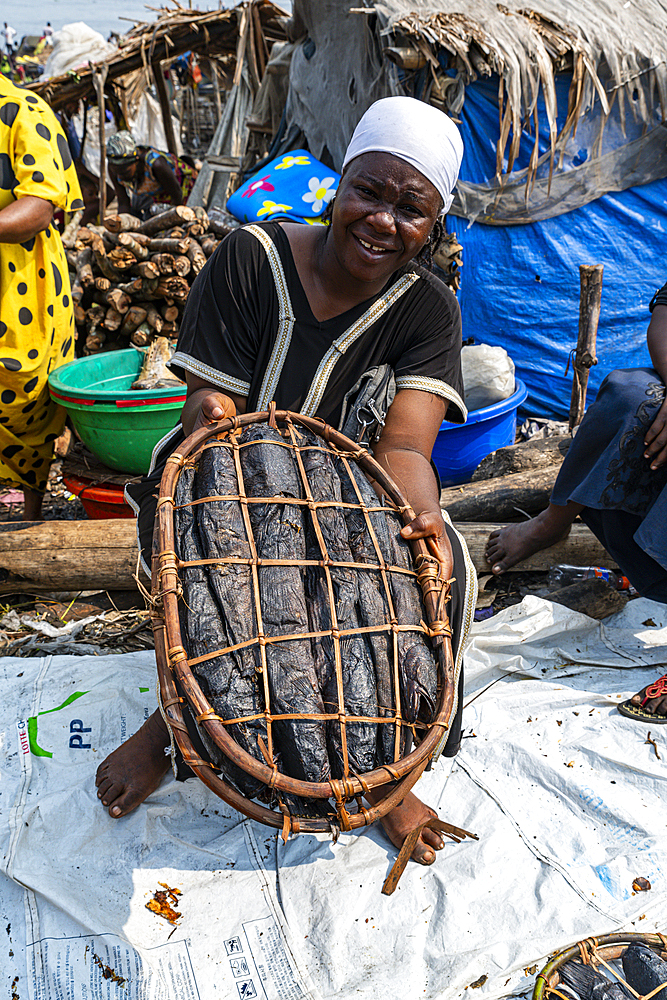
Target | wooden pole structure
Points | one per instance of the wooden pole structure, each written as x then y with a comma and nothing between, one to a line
165,106
590,279
99,79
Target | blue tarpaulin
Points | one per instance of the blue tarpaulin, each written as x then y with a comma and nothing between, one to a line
520,284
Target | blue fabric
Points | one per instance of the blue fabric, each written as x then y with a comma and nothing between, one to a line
605,470
520,284
293,186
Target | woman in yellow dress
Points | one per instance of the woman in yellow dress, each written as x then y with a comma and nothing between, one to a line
37,332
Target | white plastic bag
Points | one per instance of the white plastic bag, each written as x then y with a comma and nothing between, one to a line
488,375
75,45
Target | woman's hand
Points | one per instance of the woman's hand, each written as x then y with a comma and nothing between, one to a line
656,439
206,404
213,406
430,526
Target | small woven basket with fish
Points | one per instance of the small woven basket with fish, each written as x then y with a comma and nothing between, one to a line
303,647
621,966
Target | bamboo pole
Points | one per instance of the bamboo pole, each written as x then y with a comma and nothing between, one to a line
590,296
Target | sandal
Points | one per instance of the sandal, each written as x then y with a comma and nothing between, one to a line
638,712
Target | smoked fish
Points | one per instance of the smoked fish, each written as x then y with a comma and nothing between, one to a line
358,676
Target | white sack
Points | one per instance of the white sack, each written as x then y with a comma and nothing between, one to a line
147,127
488,375
73,46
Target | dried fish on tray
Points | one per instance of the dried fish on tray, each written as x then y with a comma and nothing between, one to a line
302,645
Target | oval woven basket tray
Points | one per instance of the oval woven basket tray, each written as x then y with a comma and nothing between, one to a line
252,755
598,952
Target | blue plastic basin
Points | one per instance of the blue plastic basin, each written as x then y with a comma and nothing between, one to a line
459,448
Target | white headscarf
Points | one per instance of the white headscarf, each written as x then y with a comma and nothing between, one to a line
415,132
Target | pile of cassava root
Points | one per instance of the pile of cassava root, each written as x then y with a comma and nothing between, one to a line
130,279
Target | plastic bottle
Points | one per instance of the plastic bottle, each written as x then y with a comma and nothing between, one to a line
563,575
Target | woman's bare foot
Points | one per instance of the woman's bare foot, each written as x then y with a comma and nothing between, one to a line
509,545
134,769
406,817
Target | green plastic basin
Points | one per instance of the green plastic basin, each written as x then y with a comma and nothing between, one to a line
121,426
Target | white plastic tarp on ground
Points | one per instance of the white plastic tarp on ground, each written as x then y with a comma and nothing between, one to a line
568,801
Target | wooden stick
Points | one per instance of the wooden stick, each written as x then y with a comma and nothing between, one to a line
99,79
165,106
590,278
128,242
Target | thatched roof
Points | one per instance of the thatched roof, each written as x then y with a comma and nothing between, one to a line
615,50
169,36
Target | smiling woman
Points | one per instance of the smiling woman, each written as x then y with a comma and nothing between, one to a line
296,314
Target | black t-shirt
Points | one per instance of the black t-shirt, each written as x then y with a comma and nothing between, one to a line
235,335
238,332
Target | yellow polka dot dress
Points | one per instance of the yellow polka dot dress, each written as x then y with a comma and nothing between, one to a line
36,314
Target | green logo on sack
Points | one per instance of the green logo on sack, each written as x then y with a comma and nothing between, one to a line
32,724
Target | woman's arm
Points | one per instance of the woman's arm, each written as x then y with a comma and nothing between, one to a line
166,178
206,404
656,436
124,204
404,450
24,218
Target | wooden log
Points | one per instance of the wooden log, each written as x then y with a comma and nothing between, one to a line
94,555
79,314
133,318
500,499
84,276
580,548
142,335
120,301
175,287
590,297
172,217
123,223
64,555
169,245
209,244
538,453
164,262
594,597
103,262
102,284
169,313
202,215
112,320
121,258
196,230
154,320
182,266
139,250
147,269
196,256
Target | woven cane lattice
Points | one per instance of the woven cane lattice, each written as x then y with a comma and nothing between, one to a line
599,952
340,798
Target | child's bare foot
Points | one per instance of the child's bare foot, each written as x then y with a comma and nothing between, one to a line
134,769
509,545
405,818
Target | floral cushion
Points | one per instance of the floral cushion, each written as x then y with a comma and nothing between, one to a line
293,186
